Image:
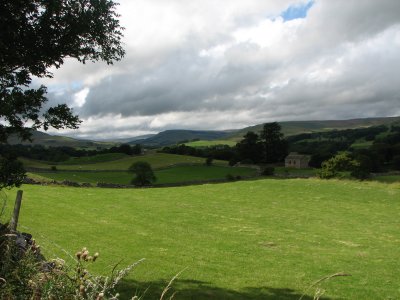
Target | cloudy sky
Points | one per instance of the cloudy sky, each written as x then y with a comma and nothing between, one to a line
202,64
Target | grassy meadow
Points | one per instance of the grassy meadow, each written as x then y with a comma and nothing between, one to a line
204,143
262,239
119,162
164,176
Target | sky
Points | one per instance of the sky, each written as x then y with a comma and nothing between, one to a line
227,64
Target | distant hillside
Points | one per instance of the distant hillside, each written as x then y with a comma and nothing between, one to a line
296,127
47,140
135,139
171,137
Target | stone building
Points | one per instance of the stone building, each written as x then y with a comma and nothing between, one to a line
295,160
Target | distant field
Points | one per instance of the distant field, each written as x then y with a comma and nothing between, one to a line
94,159
264,239
104,162
211,143
169,175
361,144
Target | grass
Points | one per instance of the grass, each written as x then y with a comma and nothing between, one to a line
107,157
169,175
203,143
264,239
157,160
361,144
295,171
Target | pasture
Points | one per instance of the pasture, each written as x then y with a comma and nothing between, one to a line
170,175
204,143
119,162
263,239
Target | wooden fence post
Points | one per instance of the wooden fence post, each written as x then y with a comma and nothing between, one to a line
17,206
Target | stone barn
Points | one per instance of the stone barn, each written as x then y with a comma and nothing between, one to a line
296,160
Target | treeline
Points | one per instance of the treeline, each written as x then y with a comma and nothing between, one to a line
268,146
381,155
59,154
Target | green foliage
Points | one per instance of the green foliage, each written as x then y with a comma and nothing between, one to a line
144,173
12,173
343,162
250,148
268,171
275,147
37,35
209,161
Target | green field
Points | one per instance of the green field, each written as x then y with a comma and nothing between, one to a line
263,239
164,176
100,158
203,143
120,162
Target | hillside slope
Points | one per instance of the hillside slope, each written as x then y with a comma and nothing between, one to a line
45,139
297,127
170,137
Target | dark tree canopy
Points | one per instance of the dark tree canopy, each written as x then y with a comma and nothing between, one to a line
274,145
38,34
144,173
250,147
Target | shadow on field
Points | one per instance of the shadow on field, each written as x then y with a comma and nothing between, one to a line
192,289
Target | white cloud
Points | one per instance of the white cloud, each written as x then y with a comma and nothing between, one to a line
238,60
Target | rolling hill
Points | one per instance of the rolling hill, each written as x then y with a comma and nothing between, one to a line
297,127
170,137
47,140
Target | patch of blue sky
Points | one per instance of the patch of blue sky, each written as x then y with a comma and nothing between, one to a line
61,88
297,11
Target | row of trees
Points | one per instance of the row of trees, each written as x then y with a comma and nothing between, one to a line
268,146
59,154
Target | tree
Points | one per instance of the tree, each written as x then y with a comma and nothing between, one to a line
126,149
275,147
250,147
144,173
137,149
38,34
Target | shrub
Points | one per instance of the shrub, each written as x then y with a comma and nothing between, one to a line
25,275
247,161
268,171
209,161
53,168
230,177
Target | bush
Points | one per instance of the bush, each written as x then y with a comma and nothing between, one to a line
53,168
246,161
230,177
209,161
268,171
